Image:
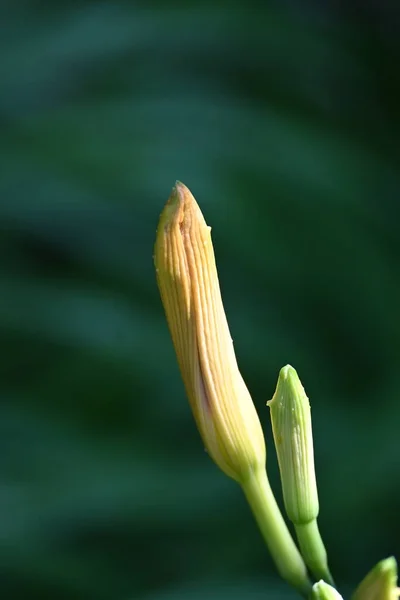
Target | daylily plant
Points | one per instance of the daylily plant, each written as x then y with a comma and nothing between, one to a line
225,414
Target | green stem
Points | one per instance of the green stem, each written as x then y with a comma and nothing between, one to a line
276,534
313,550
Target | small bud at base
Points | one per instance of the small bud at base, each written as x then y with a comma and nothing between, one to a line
323,591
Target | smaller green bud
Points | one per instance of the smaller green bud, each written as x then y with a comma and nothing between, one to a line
380,583
291,426
324,591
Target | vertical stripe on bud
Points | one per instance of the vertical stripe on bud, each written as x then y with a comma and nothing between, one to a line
188,282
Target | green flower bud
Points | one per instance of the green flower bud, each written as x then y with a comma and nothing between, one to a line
380,583
291,426
324,591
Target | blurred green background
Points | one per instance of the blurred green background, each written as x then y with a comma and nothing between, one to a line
284,123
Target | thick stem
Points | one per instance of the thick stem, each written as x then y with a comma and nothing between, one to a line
276,534
313,550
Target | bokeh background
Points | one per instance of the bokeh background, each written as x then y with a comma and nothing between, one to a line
284,122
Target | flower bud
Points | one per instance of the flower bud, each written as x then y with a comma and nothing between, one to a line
324,591
380,583
188,282
291,426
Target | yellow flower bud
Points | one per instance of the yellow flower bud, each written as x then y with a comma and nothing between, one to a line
380,583
221,404
188,282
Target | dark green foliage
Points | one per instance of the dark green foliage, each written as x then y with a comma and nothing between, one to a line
284,123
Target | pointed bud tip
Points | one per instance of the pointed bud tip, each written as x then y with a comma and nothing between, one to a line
180,205
181,193
287,377
285,371
388,564
288,373
179,185
174,202
176,208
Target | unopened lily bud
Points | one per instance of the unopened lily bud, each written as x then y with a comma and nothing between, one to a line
291,426
188,282
380,583
324,591
221,404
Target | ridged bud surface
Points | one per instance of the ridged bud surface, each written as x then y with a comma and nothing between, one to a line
291,426
188,282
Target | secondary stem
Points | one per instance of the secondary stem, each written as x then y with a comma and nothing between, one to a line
276,534
313,550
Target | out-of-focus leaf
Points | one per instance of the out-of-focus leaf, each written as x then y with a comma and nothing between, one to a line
284,123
